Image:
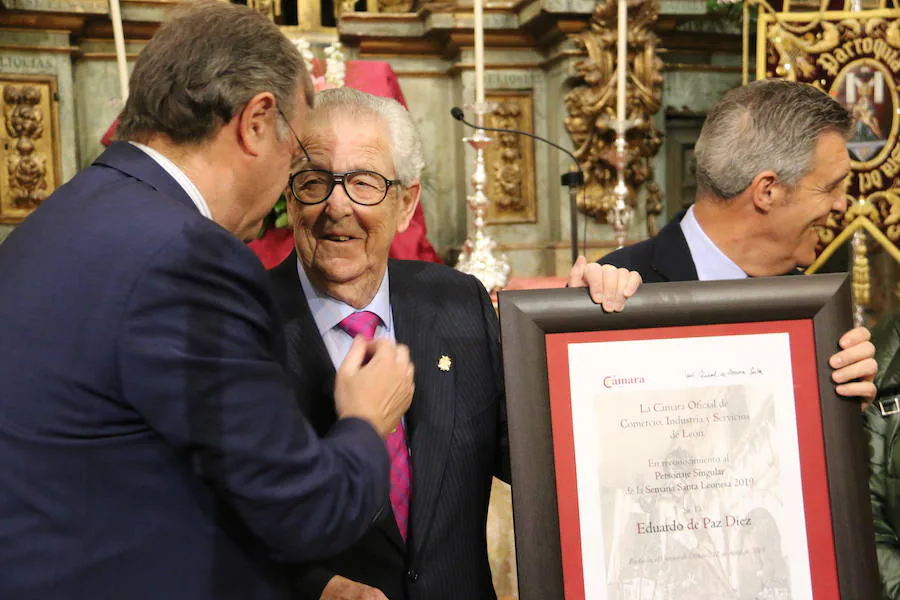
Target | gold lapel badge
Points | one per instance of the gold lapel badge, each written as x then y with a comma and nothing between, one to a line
444,363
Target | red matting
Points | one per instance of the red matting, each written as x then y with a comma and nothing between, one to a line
816,502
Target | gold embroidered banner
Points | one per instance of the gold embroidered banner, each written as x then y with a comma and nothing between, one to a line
855,57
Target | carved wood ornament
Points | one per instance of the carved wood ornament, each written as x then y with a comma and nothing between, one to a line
29,173
510,160
591,107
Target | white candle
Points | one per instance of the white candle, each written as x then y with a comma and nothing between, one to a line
622,62
479,53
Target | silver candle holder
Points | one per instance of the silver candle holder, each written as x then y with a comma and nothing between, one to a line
477,257
621,214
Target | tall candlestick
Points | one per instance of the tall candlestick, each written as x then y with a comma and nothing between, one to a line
622,63
115,15
477,257
479,53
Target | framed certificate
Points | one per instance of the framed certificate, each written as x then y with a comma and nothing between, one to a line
689,447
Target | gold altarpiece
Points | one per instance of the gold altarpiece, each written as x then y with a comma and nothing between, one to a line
591,105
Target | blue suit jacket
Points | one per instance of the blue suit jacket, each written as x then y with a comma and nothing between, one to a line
150,444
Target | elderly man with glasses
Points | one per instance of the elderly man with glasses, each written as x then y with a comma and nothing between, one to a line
360,188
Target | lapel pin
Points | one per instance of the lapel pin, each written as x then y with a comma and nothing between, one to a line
444,363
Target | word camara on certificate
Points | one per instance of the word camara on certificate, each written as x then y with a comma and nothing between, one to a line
689,447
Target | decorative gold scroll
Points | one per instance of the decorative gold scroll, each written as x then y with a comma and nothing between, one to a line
270,8
591,107
29,171
510,160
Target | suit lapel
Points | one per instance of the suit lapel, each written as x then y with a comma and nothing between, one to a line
672,258
431,415
309,365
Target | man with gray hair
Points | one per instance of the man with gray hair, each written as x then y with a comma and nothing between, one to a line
772,163
359,189
150,444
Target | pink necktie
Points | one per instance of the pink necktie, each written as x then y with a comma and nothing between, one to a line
365,323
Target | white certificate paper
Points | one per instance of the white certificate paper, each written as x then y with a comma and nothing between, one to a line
689,449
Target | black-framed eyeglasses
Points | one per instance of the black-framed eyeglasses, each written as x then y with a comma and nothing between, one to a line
312,186
294,133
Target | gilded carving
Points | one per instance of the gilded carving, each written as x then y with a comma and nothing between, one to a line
28,173
510,160
395,6
270,8
506,186
27,169
591,106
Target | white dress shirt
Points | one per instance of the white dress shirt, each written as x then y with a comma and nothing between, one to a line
710,262
178,175
328,312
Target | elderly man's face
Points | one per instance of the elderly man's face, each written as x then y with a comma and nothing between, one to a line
808,204
344,245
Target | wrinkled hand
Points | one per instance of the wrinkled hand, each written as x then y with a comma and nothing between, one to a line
341,588
855,367
375,383
609,286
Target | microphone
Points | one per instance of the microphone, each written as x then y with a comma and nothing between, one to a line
573,179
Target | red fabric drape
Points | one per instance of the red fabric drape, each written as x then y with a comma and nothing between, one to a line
373,77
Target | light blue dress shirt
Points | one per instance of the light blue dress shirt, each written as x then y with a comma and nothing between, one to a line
328,312
710,262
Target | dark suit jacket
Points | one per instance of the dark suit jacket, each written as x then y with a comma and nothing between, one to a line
456,429
664,257
150,445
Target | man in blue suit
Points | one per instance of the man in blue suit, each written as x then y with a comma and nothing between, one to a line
150,445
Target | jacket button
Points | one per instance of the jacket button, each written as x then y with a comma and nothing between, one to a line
413,575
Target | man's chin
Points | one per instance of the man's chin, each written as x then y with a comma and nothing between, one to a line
338,272
803,260
252,232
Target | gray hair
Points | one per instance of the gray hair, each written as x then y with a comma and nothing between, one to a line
405,143
203,67
770,124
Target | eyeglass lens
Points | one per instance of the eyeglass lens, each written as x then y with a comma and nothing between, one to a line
363,187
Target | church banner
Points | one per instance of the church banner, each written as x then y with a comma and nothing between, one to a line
855,57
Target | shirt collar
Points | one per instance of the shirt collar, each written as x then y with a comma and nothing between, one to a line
179,176
328,312
712,264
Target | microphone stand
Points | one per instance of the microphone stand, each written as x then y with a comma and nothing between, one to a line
573,179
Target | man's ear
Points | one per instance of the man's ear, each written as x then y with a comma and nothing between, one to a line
291,206
765,191
408,203
257,122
